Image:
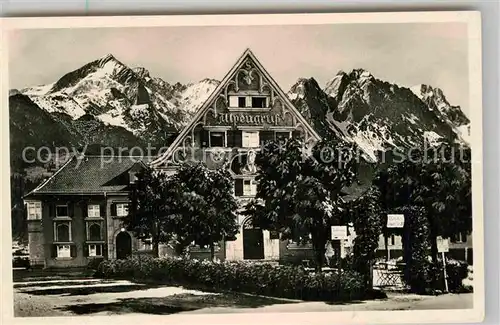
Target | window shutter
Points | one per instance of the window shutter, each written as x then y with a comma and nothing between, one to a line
113,209
52,210
238,139
85,250
204,138
230,138
85,210
234,139
71,209
54,251
102,209
238,187
73,251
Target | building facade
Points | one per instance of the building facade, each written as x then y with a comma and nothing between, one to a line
76,215
247,109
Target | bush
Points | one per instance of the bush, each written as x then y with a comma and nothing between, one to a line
456,272
21,261
262,279
93,264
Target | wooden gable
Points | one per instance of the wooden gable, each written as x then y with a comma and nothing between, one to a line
247,78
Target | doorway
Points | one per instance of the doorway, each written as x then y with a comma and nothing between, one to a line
123,245
253,241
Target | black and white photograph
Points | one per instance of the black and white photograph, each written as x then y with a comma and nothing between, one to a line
244,166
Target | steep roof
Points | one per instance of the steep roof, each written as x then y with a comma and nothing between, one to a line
247,54
90,174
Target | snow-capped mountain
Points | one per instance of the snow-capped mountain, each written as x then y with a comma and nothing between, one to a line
118,95
107,102
377,115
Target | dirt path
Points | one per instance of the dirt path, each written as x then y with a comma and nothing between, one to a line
91,297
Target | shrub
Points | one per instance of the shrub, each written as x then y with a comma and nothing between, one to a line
262,279
456,272
94,263
21,261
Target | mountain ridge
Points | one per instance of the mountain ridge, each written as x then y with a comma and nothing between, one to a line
355,106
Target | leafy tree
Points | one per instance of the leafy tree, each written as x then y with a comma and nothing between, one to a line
437,179
367,220
299,190
152,202
205,212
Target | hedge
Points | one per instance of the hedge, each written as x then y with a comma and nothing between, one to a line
255,278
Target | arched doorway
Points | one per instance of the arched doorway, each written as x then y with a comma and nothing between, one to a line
123,245
253,241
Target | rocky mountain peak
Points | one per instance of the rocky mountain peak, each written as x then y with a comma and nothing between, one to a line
143,73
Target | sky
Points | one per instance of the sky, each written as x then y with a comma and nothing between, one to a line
405,53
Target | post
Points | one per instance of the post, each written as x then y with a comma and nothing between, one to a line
387,249
444,273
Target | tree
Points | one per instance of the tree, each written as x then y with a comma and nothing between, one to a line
152,201
438,179
367,220
205,212
299,190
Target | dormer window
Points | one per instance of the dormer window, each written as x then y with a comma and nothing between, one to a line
255,101
259,102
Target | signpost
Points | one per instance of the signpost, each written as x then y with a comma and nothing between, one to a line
339,232
393,221
443,246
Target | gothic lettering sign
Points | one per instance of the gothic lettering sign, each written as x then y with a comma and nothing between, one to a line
249,119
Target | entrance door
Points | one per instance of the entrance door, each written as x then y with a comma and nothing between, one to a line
253,242
123,245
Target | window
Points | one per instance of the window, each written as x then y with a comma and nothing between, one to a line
94,232
94,211
34,210
393,240
217,139
64,251
121,209
460,237
250,139
259,102
62,232
282,136
62,211
242,102
249,187
95,250
265,137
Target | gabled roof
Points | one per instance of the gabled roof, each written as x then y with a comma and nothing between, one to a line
206,105
90,175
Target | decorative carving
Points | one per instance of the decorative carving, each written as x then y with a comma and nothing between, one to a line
250,167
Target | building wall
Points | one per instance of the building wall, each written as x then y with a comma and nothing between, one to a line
77,234
36,242
42,238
